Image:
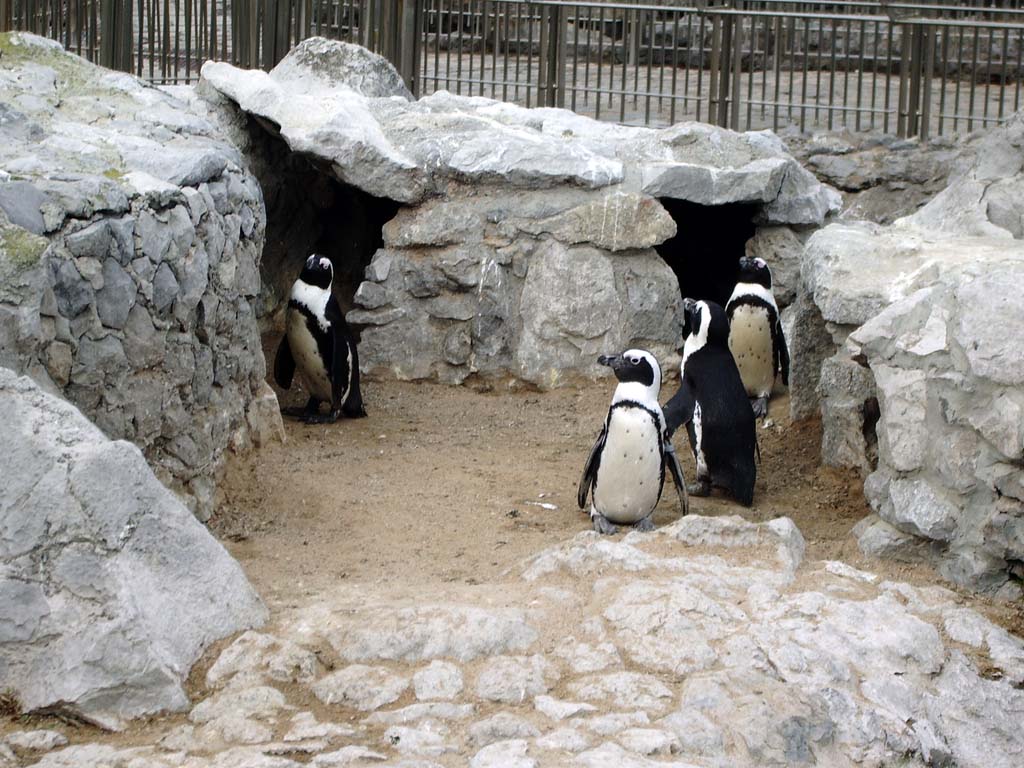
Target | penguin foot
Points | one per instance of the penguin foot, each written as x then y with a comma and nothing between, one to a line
700,488
760,406
321,418
646,525
603,525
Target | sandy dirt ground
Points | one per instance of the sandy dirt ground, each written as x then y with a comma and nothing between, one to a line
443,485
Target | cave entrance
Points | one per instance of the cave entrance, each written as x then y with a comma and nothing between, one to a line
310,211
707,247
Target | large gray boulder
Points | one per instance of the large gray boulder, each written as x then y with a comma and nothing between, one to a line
130,243
927,316
109,588
526,243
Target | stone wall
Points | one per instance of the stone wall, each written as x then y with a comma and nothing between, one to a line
926,391
525,245
129,263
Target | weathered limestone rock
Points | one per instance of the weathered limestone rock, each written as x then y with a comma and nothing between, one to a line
836,668
129,254
109,588
931,316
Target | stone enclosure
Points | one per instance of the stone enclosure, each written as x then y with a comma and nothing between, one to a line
148,236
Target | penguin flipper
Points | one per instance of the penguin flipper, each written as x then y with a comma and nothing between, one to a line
781,351
590,469
284,364
353,406
679,409
677,477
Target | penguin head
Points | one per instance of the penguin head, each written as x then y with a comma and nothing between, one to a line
636,367
704,323
318,271
755,270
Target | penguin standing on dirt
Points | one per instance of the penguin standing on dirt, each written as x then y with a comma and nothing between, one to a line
318,342
713,405
755,333
625,471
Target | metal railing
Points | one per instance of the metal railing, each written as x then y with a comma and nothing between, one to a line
915,69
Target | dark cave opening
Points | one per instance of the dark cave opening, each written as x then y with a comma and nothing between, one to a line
708,244
310,211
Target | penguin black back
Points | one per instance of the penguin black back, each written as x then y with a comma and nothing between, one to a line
713,405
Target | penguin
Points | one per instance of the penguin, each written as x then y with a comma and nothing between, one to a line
713,405
625,471
318,342
755,333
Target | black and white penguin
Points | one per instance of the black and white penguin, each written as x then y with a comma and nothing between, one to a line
318,342
625,471
713,405
755,333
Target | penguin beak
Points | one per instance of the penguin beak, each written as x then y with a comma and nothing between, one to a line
689,305
746,262
609,360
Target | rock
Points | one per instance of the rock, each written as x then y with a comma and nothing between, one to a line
560,710
114,529
781,533
849,407
256,701
624,690
435,710
35,741
350,755
459,632
504,754
514,679
809,344
255,653
361,687
994,709
612,754
649,741
438,680
500,727
427,740
304,726
114,165
564,740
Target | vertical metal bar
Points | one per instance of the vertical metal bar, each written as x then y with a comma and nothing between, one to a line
529,53
628,56
675,69
504,77
188,40
472,45
544,57
600,62
576,54
558,59
988,76
715,67
944,57
904,96
928,41
974,81
803,82
779,48
650,64
1002,72
737,47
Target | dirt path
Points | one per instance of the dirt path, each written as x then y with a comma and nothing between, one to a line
446,484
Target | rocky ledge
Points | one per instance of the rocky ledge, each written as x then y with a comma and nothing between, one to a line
707,643
926,392
526,241
130,242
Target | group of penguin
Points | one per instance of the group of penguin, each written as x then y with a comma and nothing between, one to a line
730,360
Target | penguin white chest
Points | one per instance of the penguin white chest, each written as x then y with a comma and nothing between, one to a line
628,481
308,360
750,341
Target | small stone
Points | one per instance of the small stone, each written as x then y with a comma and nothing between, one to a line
560,710
361,687
305,726
35,741
500,727
428,739
504,754
649,741
514,679
439,680
564,740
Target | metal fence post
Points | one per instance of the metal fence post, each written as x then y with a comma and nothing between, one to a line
408,42
5,15
116,34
